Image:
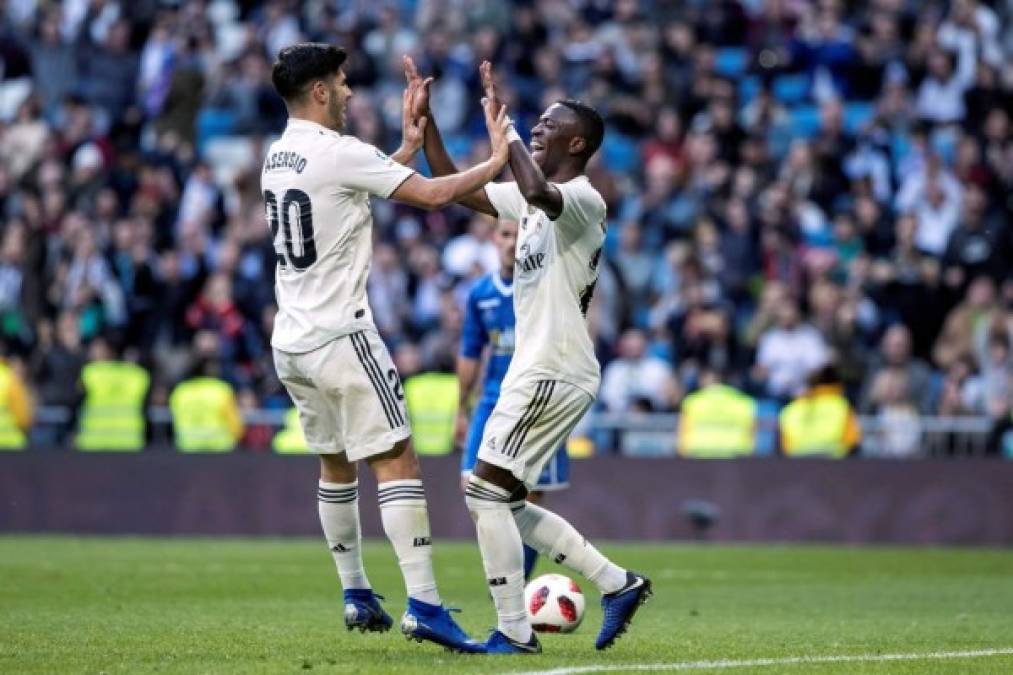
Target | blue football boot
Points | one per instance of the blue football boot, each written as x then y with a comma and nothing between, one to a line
619,607
499,643
363,611
422,621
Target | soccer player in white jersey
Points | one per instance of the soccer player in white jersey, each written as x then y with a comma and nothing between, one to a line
317,182
554,375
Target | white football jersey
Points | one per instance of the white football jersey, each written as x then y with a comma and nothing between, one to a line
316,185
554,278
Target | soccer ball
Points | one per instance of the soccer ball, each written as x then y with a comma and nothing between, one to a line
555,604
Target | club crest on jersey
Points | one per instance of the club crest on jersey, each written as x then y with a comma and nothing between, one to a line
529,262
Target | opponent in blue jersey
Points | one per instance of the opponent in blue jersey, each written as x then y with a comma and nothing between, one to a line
489,322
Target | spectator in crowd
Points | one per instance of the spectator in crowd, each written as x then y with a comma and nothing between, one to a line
788,353
896,366
637,380
967,324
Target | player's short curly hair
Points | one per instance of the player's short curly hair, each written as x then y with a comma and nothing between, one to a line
592,126
300,64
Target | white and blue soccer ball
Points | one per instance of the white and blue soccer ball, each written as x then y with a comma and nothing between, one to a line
555,604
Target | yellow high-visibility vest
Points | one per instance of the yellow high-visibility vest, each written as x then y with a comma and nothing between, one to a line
113,414
819,423
291,440
717,422
205,416
11,435
432,407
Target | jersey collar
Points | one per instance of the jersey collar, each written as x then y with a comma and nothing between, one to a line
300,123
502,285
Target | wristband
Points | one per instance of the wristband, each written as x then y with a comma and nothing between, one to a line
512,135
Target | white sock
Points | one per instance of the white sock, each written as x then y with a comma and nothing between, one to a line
551,535
502,555
339,516
406,523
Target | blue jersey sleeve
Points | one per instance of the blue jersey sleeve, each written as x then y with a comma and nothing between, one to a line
474,337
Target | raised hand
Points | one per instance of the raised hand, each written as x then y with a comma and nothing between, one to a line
488,83
413,129
419,89
498,124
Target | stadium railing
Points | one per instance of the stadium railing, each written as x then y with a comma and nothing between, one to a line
643,434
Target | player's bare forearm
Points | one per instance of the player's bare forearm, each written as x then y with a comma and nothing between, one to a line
442,165
435,193
532,183
467,374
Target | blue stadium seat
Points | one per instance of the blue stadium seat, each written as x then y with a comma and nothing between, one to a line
790,89
620,153
731,61
857,115
805,121
749,87
214,122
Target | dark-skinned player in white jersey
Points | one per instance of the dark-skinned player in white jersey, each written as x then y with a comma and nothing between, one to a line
554,375
317,181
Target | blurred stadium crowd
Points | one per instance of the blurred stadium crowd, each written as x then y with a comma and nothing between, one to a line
788,183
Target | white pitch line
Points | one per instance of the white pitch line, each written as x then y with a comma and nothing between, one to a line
724,664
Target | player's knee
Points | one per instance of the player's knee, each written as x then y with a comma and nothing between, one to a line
336,469
399,463
482,496
501,478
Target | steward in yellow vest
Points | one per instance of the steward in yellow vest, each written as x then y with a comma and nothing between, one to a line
290,440
717,421
821,421
205,415
432,407
112,417
15,410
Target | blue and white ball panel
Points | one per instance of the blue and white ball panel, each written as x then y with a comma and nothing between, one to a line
556,473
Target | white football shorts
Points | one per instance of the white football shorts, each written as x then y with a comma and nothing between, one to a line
348,394
530,421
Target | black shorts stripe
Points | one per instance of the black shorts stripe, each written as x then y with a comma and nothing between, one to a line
372,378
533,419
380,380
383,381
528,412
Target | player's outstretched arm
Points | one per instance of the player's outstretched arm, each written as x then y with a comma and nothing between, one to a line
435,193
436,152
531,181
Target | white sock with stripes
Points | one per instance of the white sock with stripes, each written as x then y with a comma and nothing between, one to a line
406,523
338,504
502,555
552,535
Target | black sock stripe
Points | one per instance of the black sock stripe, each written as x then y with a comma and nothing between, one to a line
347,491
384,384
478,489
406,486
346,500
485,496
402,498
543,404
384,403
410,491
402,495
532,404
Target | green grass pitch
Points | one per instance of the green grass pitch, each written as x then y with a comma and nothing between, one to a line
259,606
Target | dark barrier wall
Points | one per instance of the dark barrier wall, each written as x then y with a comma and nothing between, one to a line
953,502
